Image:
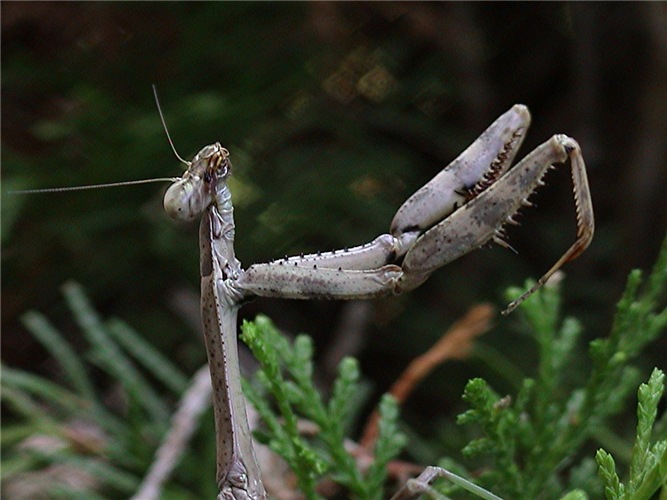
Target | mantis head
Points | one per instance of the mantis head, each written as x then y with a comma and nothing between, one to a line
188,197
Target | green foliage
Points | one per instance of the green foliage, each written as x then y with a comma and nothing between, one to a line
111,445
530,447
648,466
527,444
287,374
108,446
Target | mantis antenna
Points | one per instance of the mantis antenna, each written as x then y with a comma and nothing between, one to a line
166,131
93,186
116,184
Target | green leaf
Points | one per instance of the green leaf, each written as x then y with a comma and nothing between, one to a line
613,489
60,350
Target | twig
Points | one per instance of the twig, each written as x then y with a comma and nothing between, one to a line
184,422
456,343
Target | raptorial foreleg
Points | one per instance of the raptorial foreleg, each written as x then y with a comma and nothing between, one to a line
481,220
365,271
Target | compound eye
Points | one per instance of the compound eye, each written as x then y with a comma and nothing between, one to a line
215,161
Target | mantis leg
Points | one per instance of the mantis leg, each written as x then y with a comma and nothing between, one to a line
237,472
365,271
477,222
484,161
482,219
420,486
298,282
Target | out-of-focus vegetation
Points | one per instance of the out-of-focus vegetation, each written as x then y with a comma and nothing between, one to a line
334,113
531,443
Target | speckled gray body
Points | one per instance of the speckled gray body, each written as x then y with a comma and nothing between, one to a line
462,208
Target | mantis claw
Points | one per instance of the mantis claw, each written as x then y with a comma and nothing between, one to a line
469,174
479,221
461,209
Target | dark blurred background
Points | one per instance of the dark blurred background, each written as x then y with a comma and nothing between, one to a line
334,113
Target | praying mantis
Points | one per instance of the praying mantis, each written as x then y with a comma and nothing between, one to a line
462,208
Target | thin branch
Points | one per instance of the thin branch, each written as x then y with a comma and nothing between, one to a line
184,423
456,343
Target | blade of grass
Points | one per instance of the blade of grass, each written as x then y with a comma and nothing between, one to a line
148,356
60,350
107,355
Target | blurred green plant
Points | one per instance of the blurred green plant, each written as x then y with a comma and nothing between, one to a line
648,466
529,441
69,441
297,392
532,446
